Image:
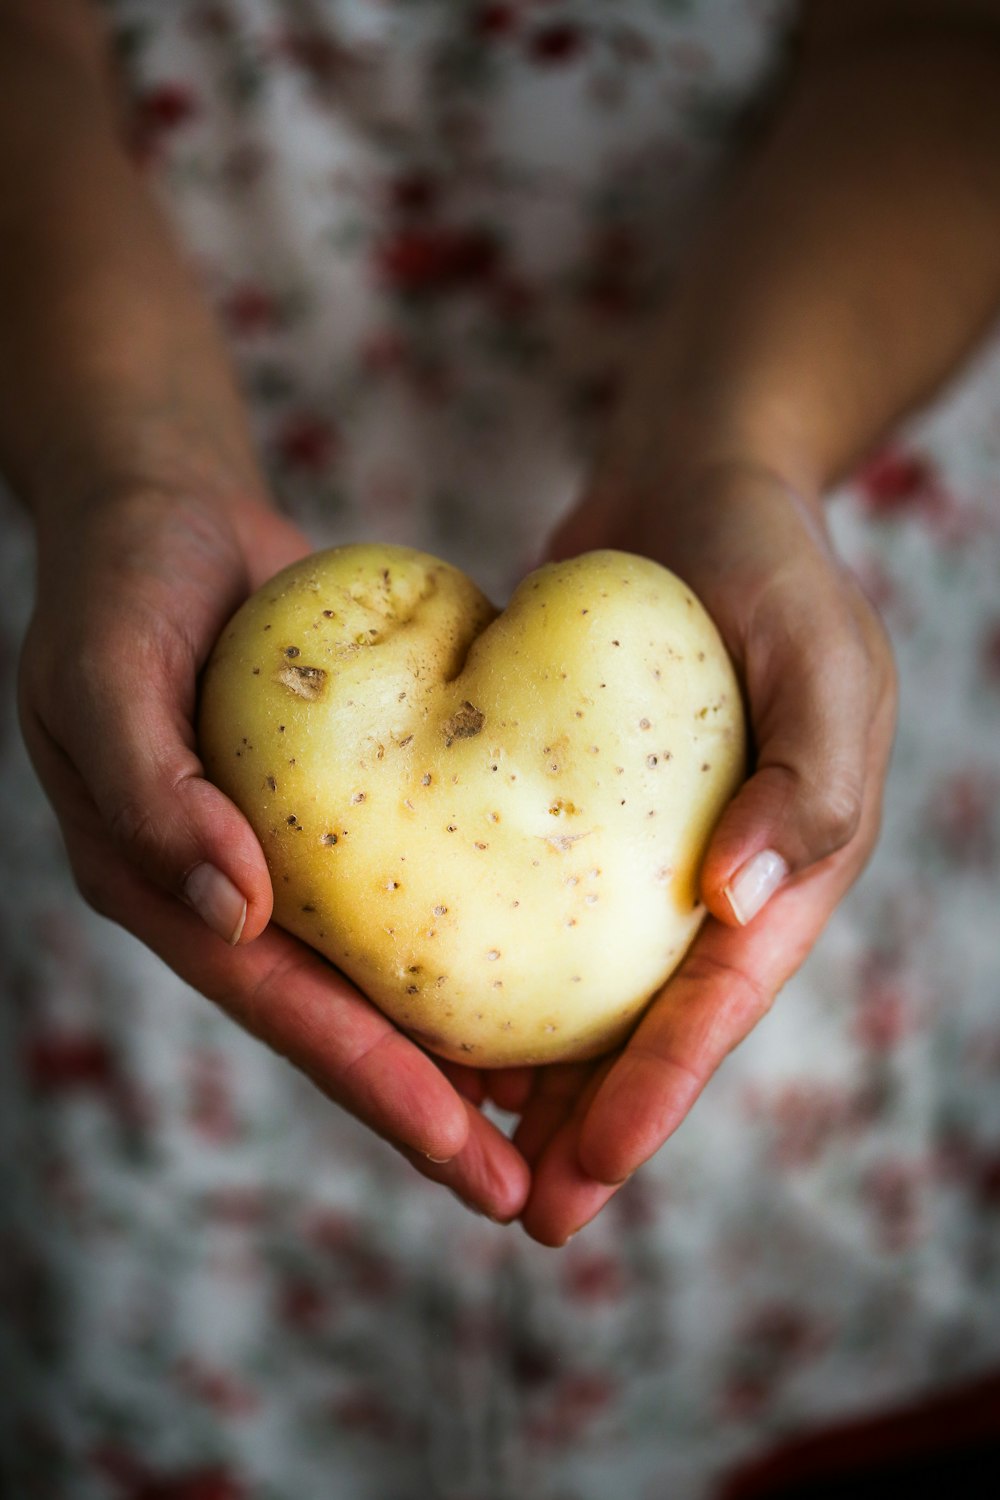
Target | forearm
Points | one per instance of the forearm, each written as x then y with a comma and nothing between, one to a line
856,263
112,366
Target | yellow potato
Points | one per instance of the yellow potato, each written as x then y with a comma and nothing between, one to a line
493,823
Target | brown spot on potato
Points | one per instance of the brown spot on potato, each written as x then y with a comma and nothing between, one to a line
304,682
329,839
271,784
292,651
466,722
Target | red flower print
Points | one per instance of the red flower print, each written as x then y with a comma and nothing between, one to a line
133,1480
214,21
775,1341
558,42
250,309
366,1411
301,1304
330,1231
317,55
963,817
592,1277
210,1109
892,1190
885,1007
577,1400
804,1116
58,1061
494,20
413,192
158,113
307,443
895,481
428,261
219,1390
690,57
240,1207
165,106
991,651
383,351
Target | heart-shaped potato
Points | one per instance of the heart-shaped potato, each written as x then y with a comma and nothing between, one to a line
493,823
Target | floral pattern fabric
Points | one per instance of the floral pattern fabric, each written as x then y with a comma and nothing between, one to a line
431,231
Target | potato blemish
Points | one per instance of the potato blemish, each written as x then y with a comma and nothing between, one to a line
464,723
304,682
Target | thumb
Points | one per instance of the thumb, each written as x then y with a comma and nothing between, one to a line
822,709
124,748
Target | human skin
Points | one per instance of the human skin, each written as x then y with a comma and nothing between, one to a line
849,271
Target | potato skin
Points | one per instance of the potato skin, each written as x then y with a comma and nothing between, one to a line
492,823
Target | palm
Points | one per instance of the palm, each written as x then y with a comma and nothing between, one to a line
150,583
820,701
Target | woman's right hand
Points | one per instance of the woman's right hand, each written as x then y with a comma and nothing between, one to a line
133,590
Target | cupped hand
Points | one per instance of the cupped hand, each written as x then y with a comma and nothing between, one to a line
133,590
819,683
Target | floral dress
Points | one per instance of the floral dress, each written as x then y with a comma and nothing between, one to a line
432,229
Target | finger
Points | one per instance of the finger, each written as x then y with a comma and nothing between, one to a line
555,1093
129,726
489,1175
723,988
510,1088
280,991
564,1197
822,711
466,1081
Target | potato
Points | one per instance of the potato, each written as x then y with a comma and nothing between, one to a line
493,823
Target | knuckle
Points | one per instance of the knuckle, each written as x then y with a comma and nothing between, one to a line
746,995
130,825
836,814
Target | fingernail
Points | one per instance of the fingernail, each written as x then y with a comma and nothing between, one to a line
439,1161
754,885
217,901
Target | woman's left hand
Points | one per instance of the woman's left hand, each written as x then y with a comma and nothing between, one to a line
819,683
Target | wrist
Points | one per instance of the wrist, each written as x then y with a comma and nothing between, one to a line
118,447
